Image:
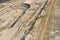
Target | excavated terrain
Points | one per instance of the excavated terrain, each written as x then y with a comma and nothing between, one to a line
29,20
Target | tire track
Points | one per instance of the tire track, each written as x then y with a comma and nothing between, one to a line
24,21
32,22
29,26
20,21
13,23
47,19
9,24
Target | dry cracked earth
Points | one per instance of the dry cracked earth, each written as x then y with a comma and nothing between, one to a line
29,19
